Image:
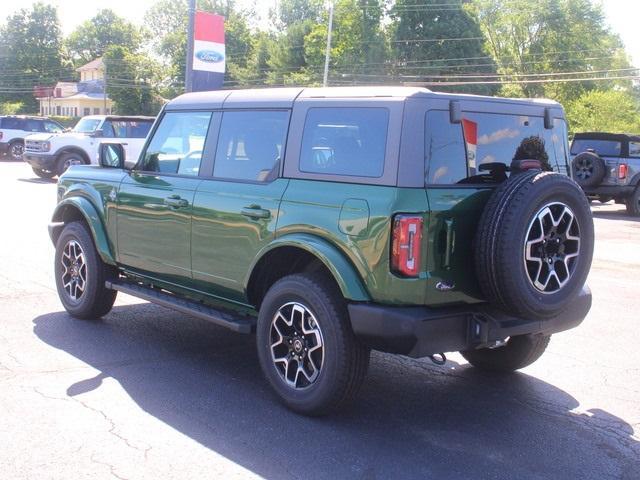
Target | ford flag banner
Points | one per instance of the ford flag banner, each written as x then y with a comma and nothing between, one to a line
208,52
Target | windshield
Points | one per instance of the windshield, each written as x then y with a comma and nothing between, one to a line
86,125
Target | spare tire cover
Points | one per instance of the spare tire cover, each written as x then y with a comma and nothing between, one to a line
534,244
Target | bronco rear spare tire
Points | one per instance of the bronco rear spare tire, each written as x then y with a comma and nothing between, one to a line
534,244
588,169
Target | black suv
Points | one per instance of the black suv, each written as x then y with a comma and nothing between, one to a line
14,128
607,166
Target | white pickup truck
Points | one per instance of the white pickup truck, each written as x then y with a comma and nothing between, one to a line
51,154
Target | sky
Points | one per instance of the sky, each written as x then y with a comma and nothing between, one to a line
622,15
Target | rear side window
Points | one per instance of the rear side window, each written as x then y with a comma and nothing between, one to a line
446,158
13,123
345,141
607,148
250,145
634,149
34,126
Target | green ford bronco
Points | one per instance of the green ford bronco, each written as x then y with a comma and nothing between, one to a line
335,221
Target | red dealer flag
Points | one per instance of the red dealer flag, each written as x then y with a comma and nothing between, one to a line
208,51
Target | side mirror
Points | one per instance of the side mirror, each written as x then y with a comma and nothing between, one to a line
111,155
455,111
98,133
548,119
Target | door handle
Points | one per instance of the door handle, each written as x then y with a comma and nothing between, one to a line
254,211
450,243
174,201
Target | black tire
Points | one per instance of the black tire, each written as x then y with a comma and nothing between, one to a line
517,353
16,149
588,169
506,232
633,203
345,360
43,173
66,160
94,300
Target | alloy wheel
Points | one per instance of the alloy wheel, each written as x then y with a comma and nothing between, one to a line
551,247
74,274
296,345
583,168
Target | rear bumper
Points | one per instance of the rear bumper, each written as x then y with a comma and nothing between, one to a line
422,331
40,160
610,190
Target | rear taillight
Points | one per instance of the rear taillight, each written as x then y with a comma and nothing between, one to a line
622,171
406,245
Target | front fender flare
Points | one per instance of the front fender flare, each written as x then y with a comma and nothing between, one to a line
342,270
93,220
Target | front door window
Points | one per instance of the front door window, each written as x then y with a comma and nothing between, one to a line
177,144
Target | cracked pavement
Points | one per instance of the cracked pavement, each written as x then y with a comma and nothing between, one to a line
149,393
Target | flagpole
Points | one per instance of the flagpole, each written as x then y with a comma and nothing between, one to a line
188,74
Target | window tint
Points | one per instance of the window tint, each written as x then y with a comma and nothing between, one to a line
13,123
345,141
634,149
608,148
107,130
250,145
86,125
501,138
177,144
446,158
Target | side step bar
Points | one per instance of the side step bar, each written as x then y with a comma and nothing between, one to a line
237,323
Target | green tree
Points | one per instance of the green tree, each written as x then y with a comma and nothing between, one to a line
613,111
131,82
168,20
549,36
438,41
93,37
358,45
31,46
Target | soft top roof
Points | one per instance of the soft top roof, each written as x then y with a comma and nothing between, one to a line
619,137
285,97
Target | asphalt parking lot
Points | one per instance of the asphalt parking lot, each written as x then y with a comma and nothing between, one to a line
148,393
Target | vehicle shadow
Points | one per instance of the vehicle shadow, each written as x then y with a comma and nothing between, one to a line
38,180
614,215
412,420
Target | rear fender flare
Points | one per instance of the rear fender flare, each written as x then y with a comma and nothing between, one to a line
338,265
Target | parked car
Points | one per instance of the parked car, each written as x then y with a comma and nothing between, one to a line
14,129
607,166
336,220
50,155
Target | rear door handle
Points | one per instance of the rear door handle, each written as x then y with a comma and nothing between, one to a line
174,201
450,242
254,211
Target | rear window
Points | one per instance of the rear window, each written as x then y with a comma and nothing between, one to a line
607,148
345,141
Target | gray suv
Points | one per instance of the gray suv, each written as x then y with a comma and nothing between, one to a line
607,166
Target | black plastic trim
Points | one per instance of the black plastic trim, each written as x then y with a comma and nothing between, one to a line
235,322
423,331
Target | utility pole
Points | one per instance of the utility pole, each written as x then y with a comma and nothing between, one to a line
104,63
328,53
188,74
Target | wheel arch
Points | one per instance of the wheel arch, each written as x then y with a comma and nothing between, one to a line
295,253
81,209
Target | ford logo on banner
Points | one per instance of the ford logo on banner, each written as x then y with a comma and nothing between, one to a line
209,56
